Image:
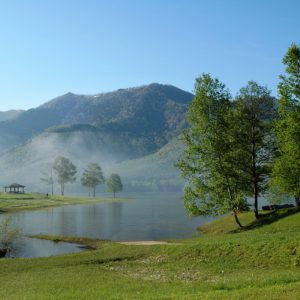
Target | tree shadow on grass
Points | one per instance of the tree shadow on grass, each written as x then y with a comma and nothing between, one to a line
268,218
112,260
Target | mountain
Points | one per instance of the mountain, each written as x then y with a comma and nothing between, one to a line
10,114
130,131
145,118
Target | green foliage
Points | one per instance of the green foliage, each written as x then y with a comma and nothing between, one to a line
253,141
114,184
65,170
207,161
286,169
229,147
8,234
92,176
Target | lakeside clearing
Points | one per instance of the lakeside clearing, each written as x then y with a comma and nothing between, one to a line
31,201
260,262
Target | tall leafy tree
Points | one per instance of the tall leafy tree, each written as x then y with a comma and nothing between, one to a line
286,169
92,176
254,112
213,186
65,171
114,184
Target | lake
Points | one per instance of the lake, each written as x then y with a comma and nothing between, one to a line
146,216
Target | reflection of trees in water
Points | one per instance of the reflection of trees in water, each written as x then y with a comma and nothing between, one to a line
101,220
16,249
115,213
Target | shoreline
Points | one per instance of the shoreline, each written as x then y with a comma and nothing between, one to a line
89,243
14,203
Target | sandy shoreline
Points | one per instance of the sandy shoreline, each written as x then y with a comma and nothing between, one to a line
145,243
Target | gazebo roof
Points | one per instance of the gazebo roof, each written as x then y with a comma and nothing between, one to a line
15,185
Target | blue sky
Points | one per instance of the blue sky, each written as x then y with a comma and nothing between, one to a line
52,47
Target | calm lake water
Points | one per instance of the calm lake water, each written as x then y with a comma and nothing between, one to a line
29,247
147,216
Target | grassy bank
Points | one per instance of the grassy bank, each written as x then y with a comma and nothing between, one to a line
91,243
30,201
260,262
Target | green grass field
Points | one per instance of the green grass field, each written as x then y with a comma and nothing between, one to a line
30,201
262,262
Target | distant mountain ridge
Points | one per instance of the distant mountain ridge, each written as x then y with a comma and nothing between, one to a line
9,114
147,117
113,106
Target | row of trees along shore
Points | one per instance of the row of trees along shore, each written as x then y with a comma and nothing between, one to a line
244,146
91,177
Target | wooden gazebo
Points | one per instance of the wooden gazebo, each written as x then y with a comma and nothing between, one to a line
15,188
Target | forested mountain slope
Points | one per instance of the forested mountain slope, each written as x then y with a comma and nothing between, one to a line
146,117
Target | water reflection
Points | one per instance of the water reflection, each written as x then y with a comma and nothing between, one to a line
29,247
150,216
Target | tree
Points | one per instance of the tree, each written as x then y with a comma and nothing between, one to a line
48,178
9,235
285,176
254,112
213,187
65,170
92,176
114,184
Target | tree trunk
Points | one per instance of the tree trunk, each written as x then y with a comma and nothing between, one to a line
256,200
62,189
114,194
237,219
89,191
254,172
94,191
52,188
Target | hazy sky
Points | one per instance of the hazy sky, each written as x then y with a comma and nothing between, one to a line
51,47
